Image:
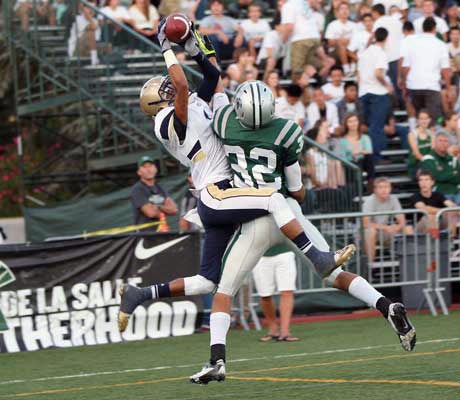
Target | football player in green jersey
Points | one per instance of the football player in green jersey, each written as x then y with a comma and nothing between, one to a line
263,151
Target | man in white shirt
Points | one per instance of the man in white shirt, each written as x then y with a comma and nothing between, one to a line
301,30
254,28
374,89
273,49
319,108
424,62
338,35
290,106
361,37
428,11
334,89
393,43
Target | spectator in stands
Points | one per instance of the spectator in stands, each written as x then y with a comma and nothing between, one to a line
145,18
454,48
323,175
361,38
243,69
112,33
290,107
420,142
254,29
402,5
428,11
301,31
350,102
149,200
393,43
319,108
43,10
374,90
452,128
338,34
381,229
277,270
392,128
273,49
224,32
444,168
416,11
424,61
409,33
273,82
334,90
240,9
431,202
84,33
356,147
451,10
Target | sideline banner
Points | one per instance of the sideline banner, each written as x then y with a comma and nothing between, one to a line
66,292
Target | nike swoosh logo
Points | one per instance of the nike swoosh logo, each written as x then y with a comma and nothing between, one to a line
142,253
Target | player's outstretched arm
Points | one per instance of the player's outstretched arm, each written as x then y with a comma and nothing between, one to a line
199,49
176,73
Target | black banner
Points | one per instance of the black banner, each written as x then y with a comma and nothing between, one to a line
66,293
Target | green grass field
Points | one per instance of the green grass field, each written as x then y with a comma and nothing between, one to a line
351,359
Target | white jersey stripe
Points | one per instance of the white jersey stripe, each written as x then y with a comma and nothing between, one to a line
284,132
292,138
224,120
256,105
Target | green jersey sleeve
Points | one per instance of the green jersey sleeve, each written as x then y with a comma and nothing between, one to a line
220,120
293,144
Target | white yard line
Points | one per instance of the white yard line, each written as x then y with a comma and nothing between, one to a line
241,360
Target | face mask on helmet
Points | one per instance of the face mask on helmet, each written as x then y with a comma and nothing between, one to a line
156,94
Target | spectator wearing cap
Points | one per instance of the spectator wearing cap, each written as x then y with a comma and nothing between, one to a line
393,42
425,60
149,200
444,168
339,34
350,102
428,11
333,90
374,89
224,32
290,106
319,108
254,28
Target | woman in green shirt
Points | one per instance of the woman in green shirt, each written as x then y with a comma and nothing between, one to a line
420,142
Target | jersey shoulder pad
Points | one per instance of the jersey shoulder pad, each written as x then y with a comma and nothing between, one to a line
164,122
220,120
289,132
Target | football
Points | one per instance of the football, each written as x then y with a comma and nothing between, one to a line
177,28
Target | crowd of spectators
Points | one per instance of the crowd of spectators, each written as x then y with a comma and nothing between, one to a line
343,67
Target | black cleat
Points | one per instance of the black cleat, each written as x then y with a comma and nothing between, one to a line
397,317
131,297
210,373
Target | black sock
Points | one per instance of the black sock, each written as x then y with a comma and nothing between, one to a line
217,353
159,291
302,242
383,304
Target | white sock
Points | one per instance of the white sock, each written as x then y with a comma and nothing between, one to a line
94,58
219,325
362,290
412,124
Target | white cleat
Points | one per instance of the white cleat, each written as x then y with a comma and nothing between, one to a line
210,373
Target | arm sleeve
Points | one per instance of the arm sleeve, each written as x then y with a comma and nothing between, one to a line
367,206
171,126
444,61
293,177
395,203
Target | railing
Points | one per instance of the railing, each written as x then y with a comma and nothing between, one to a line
333,184
409,259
